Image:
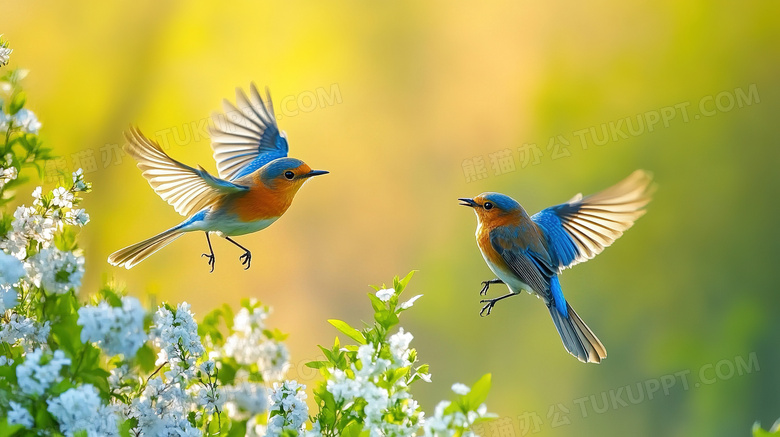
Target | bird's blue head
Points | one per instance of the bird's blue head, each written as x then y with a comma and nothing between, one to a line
287,172
492,206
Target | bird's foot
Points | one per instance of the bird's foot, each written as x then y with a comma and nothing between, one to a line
486,285
489,307
212,260
246,259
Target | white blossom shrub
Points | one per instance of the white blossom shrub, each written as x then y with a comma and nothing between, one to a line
74,364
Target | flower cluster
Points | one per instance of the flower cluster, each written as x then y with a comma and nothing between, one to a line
288,411
250,343
116,329
37,373
367,386
80,410
5,52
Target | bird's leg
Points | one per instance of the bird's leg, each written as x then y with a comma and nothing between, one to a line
210,255
487,284
491,303
246,258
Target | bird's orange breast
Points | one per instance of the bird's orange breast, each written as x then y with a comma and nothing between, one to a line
261,203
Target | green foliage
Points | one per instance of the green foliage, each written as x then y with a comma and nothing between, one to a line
760,432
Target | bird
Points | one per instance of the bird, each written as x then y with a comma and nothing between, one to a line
255,186
529,253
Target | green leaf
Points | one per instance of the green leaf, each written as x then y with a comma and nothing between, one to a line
376,303
66,241
400,285
352,429
6,429
386,318
760,432
317,364
146,357
17,103
479,392
237,428
348,330
126,426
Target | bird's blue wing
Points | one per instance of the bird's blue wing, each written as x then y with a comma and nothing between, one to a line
525,254
246,136
529,265
581,228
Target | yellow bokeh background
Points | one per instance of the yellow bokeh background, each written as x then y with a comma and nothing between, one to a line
409,95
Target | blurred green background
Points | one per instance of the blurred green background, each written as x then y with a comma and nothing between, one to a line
401,101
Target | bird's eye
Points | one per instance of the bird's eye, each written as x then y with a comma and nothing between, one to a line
487,205
289,175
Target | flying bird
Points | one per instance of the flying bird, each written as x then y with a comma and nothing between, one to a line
256,185
528,253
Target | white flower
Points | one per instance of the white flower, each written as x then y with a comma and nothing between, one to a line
162,410
56,271
385,294
370,365
399,346
20,416
378,401
5,54
342,387
448,424
35,378
288,408
117,330
32,226
245,400
37,194
177,337
460,389
246,322
274,360
62,197
11,270
78,181
27,120
80,409
9,298
7,175
248,344
26,332
77,217
408,304
209,399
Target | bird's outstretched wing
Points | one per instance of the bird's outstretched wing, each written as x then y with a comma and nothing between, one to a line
581,228
187,189
246,136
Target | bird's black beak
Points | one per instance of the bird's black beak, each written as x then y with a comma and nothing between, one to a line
468,202
315,173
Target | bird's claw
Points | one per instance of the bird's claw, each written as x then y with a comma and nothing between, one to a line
246,259
485,287
212,260
489,307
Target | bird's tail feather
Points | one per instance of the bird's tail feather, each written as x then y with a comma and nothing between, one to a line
577,338
132,255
